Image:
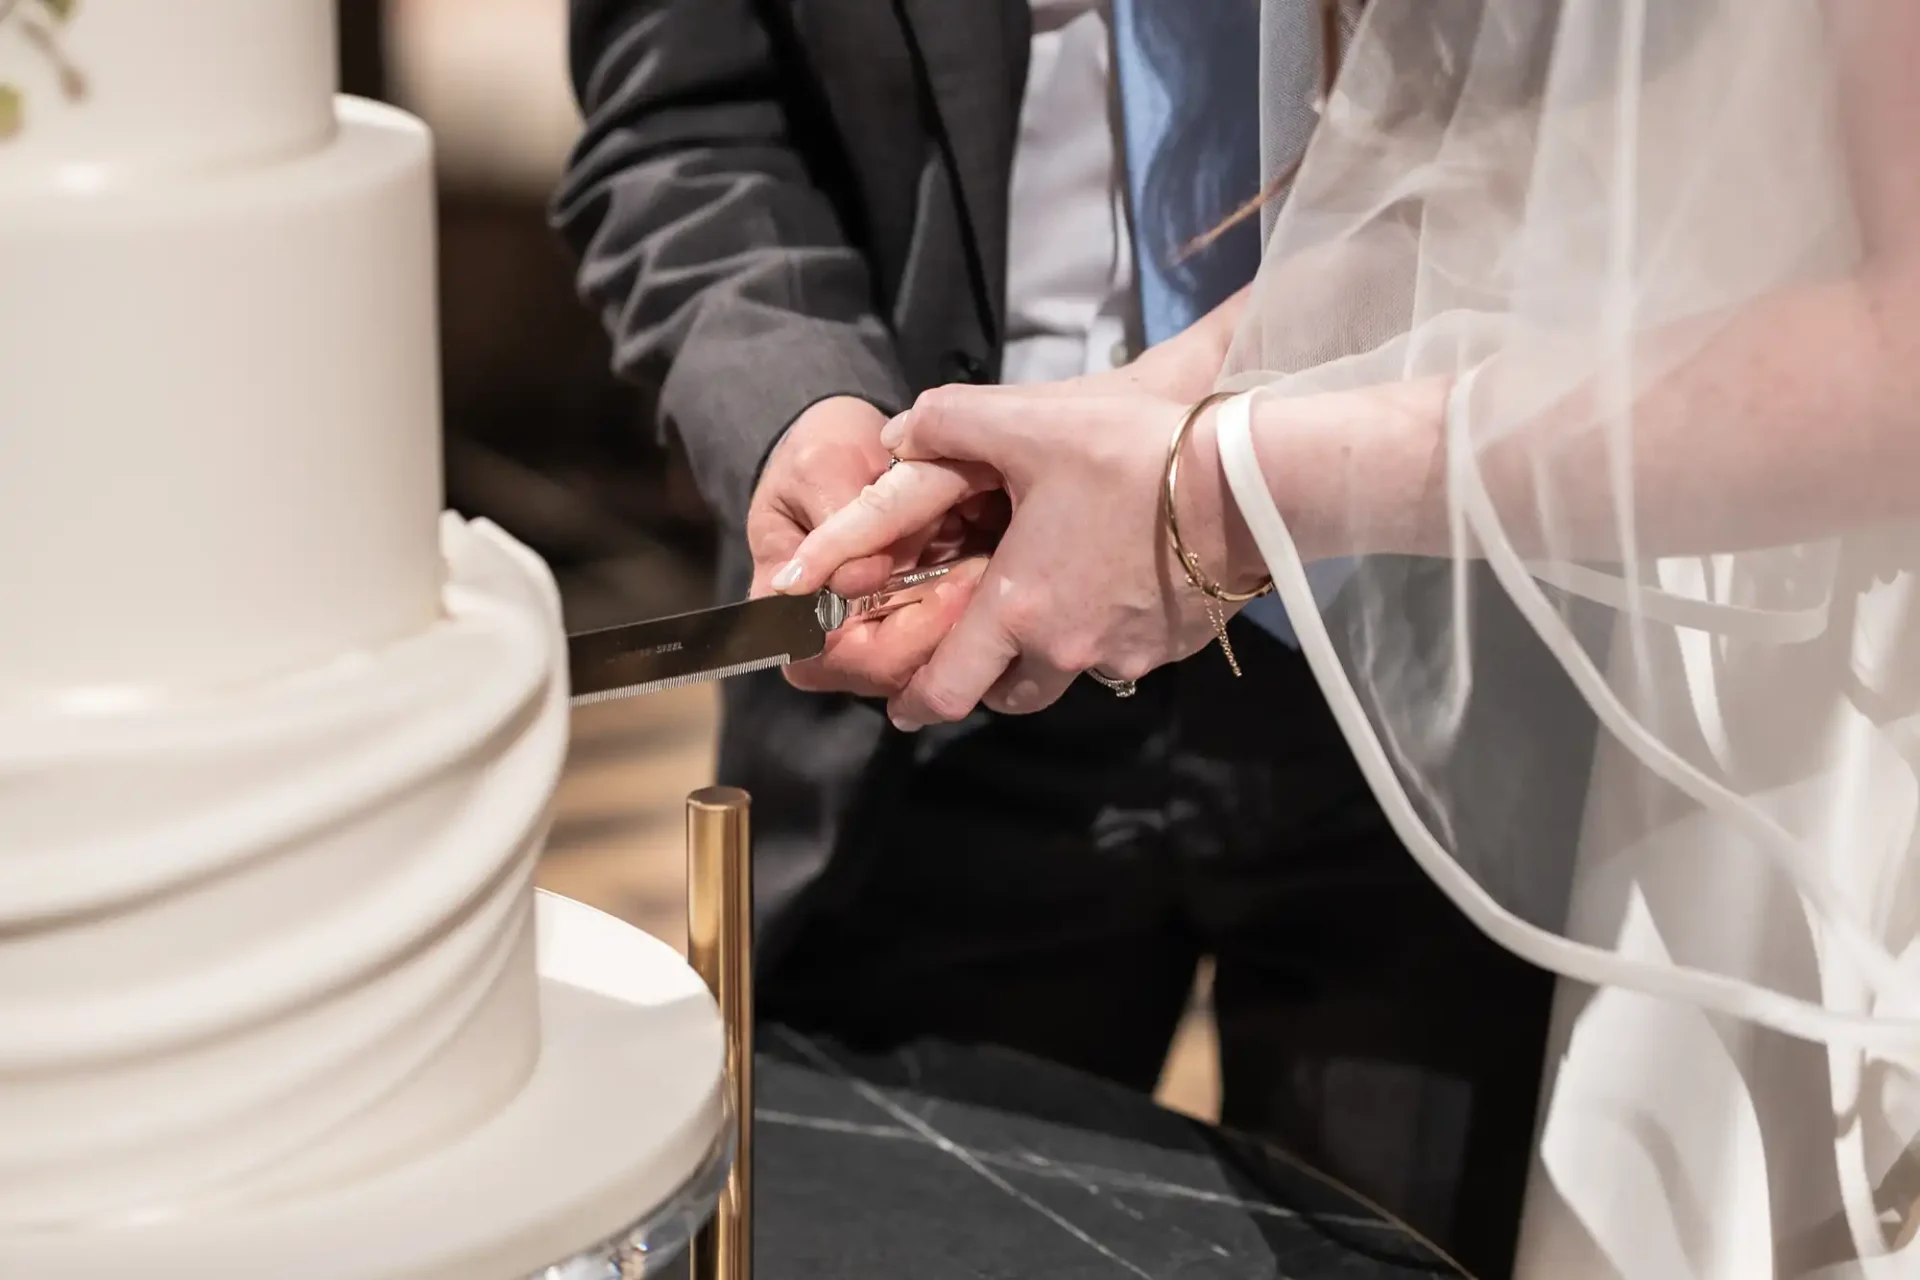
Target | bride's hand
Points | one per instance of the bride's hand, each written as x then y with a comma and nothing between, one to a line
1083,578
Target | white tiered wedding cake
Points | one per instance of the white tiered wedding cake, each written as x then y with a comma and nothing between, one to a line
277,738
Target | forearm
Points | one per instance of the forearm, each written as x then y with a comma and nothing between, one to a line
1796,421
1799,419
720,270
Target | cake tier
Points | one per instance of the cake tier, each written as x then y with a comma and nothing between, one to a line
219,417
621,1127
126,89
276,940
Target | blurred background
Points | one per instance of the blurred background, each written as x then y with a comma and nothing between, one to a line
542,440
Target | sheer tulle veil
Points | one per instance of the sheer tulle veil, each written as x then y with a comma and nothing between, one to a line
1688,782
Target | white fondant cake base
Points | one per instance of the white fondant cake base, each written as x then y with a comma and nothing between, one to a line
625,1105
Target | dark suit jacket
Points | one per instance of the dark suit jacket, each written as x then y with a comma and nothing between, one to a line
774,202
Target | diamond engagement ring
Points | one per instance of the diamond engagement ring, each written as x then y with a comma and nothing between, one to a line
1121,688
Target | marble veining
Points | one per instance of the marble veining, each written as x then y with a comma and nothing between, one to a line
939,1161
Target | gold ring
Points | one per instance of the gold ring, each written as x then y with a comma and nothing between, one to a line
1121,688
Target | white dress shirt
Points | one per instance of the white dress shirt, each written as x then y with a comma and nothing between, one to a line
1069,257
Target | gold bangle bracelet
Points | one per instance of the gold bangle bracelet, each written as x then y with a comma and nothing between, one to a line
1216,595
1188,561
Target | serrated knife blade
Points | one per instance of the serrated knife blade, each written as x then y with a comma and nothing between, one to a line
732,640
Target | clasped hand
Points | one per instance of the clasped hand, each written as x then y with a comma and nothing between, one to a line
1082,577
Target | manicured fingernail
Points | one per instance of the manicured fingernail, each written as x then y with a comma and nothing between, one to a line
894,432
788,575
906,726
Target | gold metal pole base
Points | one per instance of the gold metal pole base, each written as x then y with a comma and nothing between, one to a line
720,948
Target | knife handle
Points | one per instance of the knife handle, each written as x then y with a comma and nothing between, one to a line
900,591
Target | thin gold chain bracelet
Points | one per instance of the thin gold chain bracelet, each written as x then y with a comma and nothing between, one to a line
1218,597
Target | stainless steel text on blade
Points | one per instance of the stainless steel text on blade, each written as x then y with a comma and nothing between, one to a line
644,657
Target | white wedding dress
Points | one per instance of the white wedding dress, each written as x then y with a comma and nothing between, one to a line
1690,783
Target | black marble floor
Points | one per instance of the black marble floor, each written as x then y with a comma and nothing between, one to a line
940,1162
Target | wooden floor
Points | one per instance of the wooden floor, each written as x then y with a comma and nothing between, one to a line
618,841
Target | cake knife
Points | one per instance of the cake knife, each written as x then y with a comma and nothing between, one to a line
713,644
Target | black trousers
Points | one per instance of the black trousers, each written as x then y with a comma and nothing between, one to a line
1050,883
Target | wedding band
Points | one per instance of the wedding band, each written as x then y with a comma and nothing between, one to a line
1121,688
892,462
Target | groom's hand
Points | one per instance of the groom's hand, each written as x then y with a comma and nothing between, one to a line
828,456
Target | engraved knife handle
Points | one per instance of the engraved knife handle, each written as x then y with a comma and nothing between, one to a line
900,591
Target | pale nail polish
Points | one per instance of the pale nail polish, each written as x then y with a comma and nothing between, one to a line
788,575
893,433
906,726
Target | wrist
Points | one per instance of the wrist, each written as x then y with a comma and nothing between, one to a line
845,416
1210,520
841,414
1355,472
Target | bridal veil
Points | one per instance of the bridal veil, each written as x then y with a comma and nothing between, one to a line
1686,777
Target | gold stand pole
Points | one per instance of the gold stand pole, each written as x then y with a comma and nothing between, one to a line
720,947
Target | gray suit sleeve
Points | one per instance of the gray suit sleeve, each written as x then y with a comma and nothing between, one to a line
718,267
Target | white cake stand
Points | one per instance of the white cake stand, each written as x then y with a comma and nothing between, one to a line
612,1154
